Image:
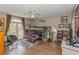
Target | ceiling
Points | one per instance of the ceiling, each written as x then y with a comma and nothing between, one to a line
45,10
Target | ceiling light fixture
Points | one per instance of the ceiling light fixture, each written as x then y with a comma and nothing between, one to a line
32,16
36,16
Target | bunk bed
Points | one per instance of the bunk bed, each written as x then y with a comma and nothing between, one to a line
34,33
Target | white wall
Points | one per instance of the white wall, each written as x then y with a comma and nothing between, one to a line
53,22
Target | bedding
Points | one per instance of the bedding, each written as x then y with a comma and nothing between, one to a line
30,37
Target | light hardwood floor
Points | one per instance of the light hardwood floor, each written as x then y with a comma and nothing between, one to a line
50,48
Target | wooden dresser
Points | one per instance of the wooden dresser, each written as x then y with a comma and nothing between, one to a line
1,42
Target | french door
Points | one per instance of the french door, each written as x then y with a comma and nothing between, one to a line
16,28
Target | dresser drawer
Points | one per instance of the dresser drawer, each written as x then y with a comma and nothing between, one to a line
1,42
1,49
1,38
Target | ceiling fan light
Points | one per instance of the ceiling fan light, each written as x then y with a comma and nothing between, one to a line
32,16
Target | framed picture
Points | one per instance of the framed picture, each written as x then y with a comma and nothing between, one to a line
64,19
67,25
1,24
61,25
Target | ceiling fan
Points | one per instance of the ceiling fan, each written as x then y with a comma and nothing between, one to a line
33,15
